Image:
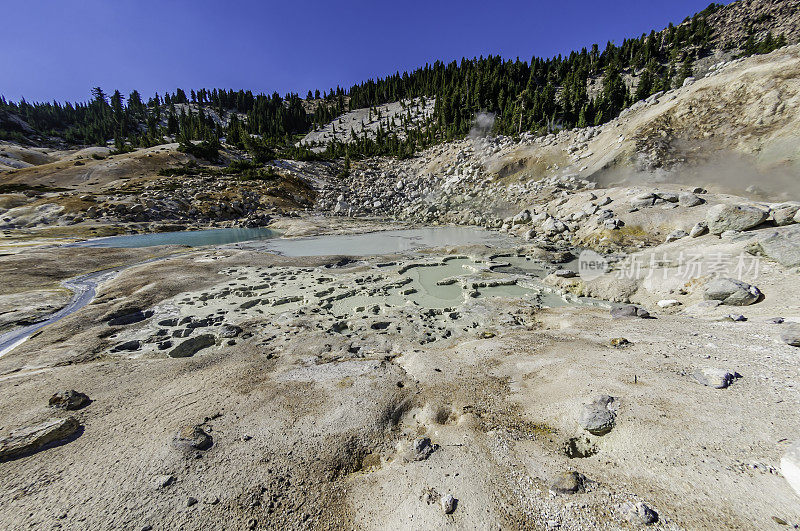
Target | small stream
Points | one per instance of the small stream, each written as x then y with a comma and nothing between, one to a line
83,291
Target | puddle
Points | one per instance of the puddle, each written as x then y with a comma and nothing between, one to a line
191,238
377,243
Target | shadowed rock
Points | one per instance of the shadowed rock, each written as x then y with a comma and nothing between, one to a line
732,292
629,310
721,218
568,483
783,246
28,440
716,378
192,346
191,438
791,336
69,400
598,417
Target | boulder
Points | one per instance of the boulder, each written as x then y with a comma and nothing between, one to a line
675,235
598,417
791,335
721,218
448,503
783,246
421,449
25,441
191,438
731,292
688,199
639,513
790,466
192,346
699,229
69,400
629,310
785,213
229,330
716,378
568,483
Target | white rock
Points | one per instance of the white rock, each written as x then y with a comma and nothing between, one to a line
668,303
790,466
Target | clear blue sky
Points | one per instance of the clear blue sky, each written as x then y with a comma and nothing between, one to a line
57,49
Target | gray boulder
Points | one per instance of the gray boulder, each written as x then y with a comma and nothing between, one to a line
721,218
598,417
699,229
716,378
791,335
785,213
639,513
675,235
192,346
191,438
783,246
229,330
629,310
568,483
731,292
25,441
688,199
69,400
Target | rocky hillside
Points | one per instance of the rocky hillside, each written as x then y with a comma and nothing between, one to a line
735,131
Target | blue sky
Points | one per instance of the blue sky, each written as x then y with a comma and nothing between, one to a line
56,49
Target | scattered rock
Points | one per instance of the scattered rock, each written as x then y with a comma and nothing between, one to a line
736,318
191,501
192,346
783,246
229,330
448,503
190,438
790,466
620,342
688,199
128,346
130,318
565,273
422,449
721,218
163,481
568,483
784,214
699,229
731,292
639,513
598,417
629,310
69,400
716,378
791,335
28,440
675,235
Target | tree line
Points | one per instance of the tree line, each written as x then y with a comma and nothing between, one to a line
587,87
